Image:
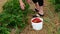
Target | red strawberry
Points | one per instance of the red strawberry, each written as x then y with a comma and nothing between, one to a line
36,20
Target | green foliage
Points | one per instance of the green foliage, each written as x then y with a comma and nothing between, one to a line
57,1
4,30
12,16
52,1
57,5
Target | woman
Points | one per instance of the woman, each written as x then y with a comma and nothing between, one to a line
38,6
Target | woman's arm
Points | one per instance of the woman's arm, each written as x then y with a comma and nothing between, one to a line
22,5
20,1
28,1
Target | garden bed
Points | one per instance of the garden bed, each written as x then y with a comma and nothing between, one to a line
51,21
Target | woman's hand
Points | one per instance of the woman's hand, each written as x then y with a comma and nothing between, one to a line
22,5
28,1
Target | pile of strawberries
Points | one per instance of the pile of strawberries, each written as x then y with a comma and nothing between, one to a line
36,20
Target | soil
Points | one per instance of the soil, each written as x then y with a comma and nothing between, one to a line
2,2
47,27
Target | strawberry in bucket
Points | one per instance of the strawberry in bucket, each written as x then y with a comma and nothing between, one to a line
37,23
36,20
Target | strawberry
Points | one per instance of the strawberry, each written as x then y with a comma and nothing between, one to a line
36,20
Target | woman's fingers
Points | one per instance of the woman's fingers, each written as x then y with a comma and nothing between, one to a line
22,5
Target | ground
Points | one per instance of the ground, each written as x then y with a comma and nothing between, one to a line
1,4
49,27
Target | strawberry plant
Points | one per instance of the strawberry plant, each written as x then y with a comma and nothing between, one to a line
57,5
12,15
57,1
4,30
52,1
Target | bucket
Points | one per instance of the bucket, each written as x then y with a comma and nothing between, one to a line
37,25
